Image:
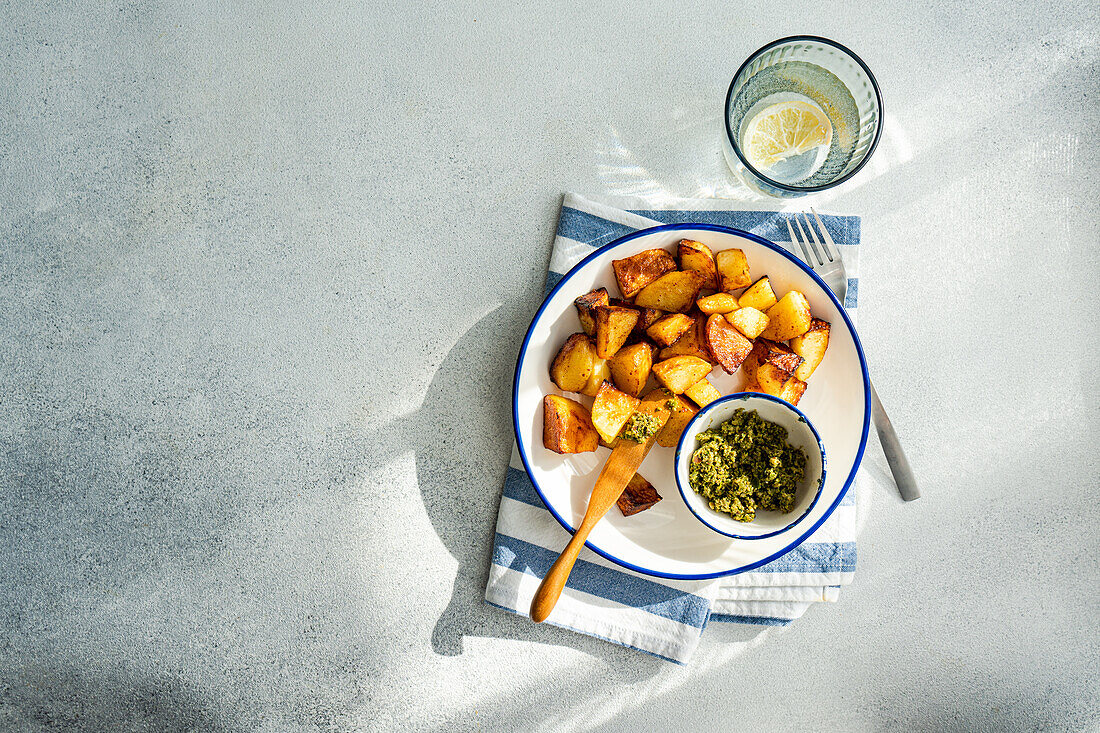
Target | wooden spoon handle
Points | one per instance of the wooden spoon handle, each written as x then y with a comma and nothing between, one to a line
547,595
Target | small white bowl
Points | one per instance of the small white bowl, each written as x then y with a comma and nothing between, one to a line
800,433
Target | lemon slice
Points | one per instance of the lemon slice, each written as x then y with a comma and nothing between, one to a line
784,129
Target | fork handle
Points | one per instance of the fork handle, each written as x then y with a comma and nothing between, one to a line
891,446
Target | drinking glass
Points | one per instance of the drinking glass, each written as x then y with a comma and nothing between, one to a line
804,74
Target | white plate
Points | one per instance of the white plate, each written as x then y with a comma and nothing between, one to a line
667,540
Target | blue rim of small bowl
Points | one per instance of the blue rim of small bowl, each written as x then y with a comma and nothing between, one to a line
764,243
710,408
786,186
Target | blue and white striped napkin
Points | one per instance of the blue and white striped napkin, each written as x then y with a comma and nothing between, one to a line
655,615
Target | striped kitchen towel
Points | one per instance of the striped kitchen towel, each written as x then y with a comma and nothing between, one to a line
660,616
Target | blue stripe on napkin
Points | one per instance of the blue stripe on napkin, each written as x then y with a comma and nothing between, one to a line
581,226
767,224
613,585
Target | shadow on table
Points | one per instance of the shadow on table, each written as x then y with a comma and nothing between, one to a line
472,389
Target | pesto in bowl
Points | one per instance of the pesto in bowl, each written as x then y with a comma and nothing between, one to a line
746,463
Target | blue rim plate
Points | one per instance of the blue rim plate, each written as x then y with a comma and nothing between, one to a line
667,540
702,512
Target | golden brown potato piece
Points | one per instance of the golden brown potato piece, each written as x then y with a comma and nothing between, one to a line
677,421
793,390
788,318
572,367
770,379
727,344
811,347
613,327
748,321
567,426
717,303
758,296
635,272
668,329
638,496
646,318
697,257
601,373
733,270
673,292
779,354
630,367
586,309
610,411
703,393
693,342
680,372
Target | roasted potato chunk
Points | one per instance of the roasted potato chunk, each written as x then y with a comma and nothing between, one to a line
717,303
770,379
692,343
635,272
680,372
646,318
630,367
779,355
601,373
733,270
788,318
793,390
610,411
638,496
586,309
748,321
613,327
668,329
567,426
703,393
727,344
697,257
572,367
811,347
759,296
672,292
677,421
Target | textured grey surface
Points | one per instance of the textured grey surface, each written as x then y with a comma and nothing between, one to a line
253,258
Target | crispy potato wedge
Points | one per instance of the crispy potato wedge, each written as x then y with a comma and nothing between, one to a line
586,309
630,367
752,363
748,321
610,411
567,426
673,292
638,496
729,346
601,373
780,355
697,257
693,342
646,318
635,272
669,328
759,296
811,347
733,270
793,390
770,379
680,372
703,393
572,367
677,421
788,318
613,327
717,303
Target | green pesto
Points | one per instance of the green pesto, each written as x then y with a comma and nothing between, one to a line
672,404
746,464
640,427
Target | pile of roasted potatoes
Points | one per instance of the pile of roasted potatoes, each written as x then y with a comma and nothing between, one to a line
676,320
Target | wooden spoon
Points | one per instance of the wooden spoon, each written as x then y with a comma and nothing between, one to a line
621,466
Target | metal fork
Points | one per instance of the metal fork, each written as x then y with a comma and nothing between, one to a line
821,254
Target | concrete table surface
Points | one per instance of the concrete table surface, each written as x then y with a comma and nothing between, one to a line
264,274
